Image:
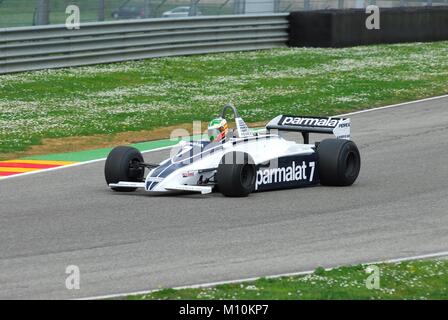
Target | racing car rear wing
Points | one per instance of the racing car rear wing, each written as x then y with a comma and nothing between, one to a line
340,127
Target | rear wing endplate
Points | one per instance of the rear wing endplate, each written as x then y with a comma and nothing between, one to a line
340,127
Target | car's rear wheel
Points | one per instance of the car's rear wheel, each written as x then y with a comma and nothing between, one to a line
122,165
236,174
339,162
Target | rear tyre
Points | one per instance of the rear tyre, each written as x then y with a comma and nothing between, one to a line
121,166
339,162
236,174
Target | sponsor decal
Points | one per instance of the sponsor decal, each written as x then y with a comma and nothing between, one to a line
290,172
309,121
242,128
188,174
342,131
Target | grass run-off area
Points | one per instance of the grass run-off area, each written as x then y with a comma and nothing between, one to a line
424,279
149,94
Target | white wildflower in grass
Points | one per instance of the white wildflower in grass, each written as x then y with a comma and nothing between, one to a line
251,287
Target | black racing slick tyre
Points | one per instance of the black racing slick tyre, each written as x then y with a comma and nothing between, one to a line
236,174
121,166
339,162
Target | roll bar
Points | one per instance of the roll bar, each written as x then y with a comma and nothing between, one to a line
231,107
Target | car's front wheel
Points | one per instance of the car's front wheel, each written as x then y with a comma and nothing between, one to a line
122,165
236,174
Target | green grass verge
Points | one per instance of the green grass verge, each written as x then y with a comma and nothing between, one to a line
168,91
424,279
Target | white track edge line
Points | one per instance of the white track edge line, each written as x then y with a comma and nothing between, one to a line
163,148
212,284
394,105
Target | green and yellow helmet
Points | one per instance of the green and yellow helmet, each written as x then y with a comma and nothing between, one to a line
217,129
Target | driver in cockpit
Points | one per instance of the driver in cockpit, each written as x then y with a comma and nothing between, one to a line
217,130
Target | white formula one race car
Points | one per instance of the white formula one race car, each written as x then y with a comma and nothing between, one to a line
244,161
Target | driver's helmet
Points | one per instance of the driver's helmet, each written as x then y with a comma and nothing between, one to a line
217,129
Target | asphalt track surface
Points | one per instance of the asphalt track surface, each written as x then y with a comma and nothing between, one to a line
130,242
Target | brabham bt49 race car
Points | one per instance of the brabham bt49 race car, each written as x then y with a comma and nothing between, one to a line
239,162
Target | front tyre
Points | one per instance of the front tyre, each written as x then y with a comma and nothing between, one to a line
122,165
236,174
339,162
